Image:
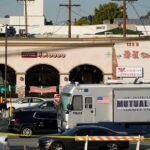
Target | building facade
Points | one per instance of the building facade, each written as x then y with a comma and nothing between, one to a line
54,63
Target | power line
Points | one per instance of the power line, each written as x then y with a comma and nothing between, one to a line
70,5
124,14
148,7
139,17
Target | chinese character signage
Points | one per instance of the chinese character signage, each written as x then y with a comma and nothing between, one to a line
129,72
135,54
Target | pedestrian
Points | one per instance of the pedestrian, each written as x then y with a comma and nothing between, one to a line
1,102
3,107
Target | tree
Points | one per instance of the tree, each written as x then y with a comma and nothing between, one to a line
6,16
107,11
147,16
82,21
48,22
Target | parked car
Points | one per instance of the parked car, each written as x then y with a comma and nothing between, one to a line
25,102
45,105
55,143
33,122
4,142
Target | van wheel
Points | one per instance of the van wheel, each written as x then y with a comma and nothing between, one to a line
57,146
26,131
112,146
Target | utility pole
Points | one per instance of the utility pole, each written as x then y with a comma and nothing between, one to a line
124,14
124,18
69,16
26,17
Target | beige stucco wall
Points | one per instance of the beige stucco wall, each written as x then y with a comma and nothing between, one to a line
96,56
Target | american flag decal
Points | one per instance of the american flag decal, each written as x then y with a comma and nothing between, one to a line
103,100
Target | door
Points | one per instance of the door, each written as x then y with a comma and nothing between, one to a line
82,110
76,113
88,110
46,121
92,145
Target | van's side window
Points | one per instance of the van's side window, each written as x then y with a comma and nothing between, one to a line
88,102
77,103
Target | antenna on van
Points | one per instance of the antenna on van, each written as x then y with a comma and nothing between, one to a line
76,83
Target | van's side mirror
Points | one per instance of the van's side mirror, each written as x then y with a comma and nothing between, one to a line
69,107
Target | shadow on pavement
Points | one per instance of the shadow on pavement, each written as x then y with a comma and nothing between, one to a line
23,148
143,146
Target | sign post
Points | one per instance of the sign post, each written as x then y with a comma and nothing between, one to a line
57,99
10,111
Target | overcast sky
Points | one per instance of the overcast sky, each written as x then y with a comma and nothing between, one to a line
58,15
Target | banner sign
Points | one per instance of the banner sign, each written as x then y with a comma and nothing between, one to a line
42,90
129,72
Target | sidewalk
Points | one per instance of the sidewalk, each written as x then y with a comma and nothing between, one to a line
3,124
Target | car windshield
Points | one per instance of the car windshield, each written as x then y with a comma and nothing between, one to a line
65,100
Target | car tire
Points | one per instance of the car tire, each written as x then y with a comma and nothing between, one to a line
27,131
112,146
57,146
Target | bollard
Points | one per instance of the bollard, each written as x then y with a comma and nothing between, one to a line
24,147
138,143
86,143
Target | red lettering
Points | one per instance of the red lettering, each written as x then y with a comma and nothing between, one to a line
137,43
135,54
127,54
45,55
40,54
145,55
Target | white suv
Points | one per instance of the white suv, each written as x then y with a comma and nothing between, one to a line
25,102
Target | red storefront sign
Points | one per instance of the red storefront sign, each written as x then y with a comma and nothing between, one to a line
42,55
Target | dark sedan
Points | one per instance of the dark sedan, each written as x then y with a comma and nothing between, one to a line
66,143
